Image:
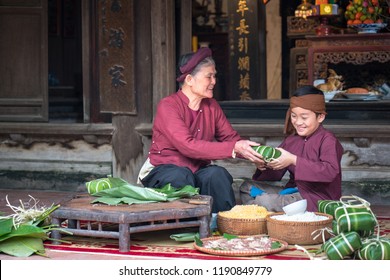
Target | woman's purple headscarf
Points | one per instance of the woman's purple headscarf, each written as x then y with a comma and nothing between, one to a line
187,68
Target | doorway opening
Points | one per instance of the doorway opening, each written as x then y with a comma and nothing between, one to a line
65,61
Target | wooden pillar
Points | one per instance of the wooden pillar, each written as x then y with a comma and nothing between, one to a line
153,57
163,49
185,25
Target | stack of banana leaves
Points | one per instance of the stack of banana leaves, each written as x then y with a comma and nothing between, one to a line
23,232
114,191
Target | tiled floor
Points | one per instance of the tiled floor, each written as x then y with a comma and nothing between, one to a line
47,198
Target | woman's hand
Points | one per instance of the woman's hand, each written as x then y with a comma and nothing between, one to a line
244,148
286,159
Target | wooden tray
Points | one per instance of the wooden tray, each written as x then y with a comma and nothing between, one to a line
239,253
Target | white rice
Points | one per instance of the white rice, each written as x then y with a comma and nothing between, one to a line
305,217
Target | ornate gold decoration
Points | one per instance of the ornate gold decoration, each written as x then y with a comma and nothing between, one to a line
301,25
322,59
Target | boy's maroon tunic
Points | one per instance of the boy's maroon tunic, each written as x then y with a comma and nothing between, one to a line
317,173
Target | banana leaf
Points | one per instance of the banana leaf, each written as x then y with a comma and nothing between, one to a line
358,219
135,192
5,226
342,245
22,234
121,191
268,153
171,192
102,184
375,249
328,206
122,200
97,185
362,233
22,246
25,230
184,237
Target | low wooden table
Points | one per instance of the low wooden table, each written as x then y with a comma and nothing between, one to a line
86,219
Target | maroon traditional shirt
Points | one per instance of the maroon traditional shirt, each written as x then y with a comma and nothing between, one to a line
317,173
183,138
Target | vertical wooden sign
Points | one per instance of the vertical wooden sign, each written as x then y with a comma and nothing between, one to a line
243,49
116,56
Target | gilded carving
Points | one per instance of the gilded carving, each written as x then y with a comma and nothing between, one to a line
357,42
301,60
302,78
322,59
301,43
301,25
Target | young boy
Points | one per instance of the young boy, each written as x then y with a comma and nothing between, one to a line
310,153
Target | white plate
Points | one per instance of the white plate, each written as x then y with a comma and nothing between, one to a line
368,96
330,94
368,27
356,96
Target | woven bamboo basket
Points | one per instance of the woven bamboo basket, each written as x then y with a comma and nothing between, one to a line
300,233
241,226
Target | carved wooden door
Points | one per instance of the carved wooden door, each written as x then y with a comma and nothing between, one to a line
23,60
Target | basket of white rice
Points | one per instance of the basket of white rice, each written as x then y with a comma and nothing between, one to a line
243,220
308,228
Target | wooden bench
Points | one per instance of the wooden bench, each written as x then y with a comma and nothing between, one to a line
86,219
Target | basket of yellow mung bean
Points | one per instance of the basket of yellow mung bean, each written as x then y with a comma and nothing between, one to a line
243,220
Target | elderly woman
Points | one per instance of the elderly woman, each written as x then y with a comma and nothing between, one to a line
189,131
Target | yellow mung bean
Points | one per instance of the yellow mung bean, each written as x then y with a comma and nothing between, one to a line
245,212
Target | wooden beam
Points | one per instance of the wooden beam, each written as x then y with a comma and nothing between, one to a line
56,128
276,130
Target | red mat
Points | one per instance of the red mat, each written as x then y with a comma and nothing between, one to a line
158,245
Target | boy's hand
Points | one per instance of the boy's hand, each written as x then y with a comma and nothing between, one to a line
286,159
261,165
